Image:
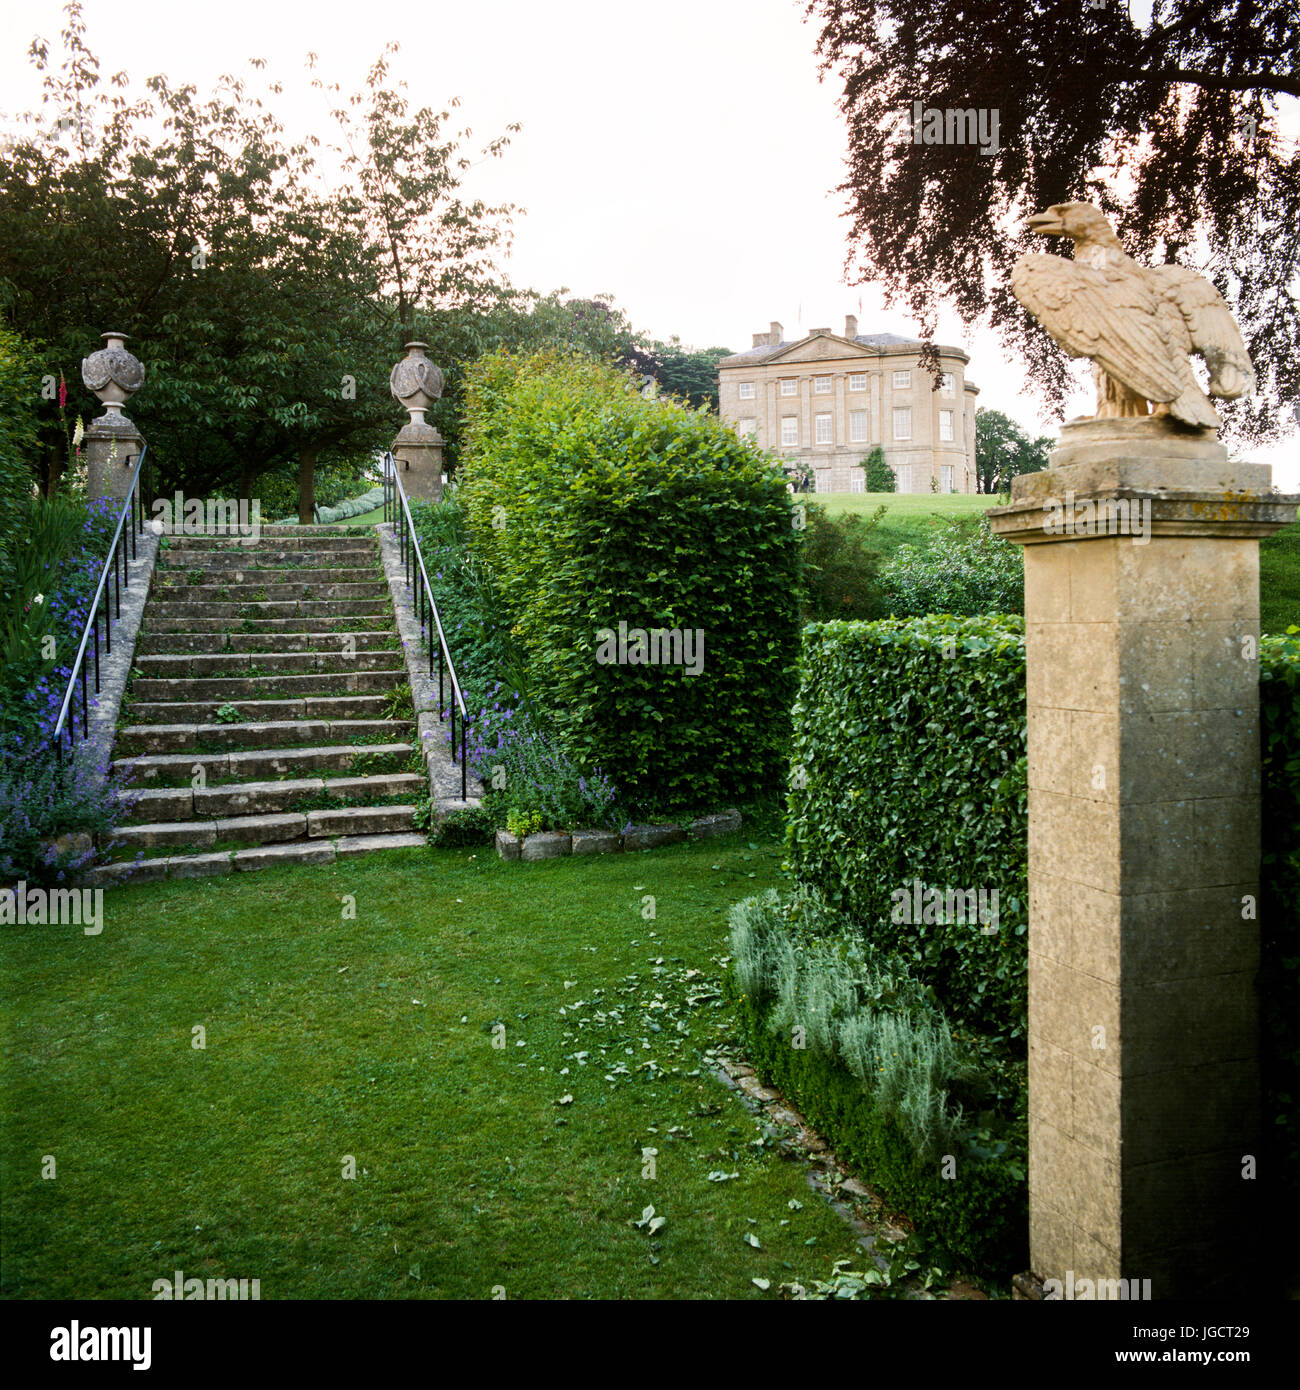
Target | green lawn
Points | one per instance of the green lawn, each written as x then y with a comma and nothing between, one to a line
1279,580
913,517
372,518
372,1037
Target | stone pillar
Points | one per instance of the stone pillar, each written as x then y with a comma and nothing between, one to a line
416,383
1144,842
113,443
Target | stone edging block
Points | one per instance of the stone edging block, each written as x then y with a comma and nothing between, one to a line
552,844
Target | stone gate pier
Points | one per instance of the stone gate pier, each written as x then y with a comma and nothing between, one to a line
1142,630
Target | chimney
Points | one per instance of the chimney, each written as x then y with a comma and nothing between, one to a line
760,339
775,339
850,326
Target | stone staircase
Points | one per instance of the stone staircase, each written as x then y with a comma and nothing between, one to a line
260,721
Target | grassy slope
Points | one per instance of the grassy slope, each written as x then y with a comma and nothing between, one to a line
912,516
227,1161
1279,580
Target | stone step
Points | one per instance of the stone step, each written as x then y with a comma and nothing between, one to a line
259,556
348,682
283,537
161,625
264,829
265,643
245,765
320,851
270,593
270,798
189,664
169,609
134,739
329,707
239,582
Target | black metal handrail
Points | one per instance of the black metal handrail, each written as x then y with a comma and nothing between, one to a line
397,511
118,563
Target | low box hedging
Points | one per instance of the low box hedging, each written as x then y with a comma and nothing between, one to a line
978,1217
593,507
909,766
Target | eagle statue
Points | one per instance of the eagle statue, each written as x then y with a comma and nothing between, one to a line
1138,324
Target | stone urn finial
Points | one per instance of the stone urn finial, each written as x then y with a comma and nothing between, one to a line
113,374
415,382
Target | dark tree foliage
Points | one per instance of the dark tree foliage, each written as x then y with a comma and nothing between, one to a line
1171,128
1004,451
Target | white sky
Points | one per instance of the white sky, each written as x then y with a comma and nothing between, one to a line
680,158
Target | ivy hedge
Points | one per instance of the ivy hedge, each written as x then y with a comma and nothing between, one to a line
1279,915
597,511
909,767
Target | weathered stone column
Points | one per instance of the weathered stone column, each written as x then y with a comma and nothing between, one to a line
113,443
1144,842
416,383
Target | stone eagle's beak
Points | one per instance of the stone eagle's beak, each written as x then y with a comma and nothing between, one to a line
1045,224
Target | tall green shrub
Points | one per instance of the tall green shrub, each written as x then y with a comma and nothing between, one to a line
880,476
20,384
594,507
909,765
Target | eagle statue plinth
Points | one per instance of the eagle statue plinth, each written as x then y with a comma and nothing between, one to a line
1139,325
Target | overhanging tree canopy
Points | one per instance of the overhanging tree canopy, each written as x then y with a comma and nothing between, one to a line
1172,129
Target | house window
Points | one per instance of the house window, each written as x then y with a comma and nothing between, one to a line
787,386
857,483
945,426
902,422
947,385
902,380
823,426
822,385
857,426
946,471
789,429
823,480
858,381
749,426
903,474
746,390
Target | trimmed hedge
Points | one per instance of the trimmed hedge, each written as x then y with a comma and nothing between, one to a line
978,1217
593,507
1279,911
909,765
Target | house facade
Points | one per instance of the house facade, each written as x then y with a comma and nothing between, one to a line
825,401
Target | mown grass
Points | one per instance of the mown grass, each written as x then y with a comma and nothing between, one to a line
328,1036
915,517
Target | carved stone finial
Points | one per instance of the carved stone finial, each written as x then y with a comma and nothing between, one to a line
1139,325
113,374
415,382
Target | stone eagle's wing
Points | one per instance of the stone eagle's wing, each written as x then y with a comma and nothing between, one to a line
1212,328
1111,317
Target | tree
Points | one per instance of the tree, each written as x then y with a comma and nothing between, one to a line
690,375
880,476
1171,127
267,311
1004,451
